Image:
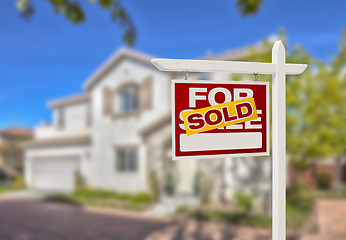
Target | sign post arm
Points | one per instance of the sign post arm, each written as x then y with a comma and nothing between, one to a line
279,143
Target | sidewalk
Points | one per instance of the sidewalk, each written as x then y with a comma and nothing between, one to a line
197,230
331,220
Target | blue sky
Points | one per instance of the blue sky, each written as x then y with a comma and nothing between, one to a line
50,57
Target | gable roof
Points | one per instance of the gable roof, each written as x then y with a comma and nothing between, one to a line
122,53
69,100
112,61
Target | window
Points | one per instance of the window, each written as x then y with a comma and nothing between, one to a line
203,76
60,118
129,99
126,159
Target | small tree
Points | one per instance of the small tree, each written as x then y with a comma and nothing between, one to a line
318,113
11,155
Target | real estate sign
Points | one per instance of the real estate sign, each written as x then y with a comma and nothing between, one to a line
215,119
220,119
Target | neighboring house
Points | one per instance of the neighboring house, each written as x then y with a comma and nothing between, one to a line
119,131
10,151
309,175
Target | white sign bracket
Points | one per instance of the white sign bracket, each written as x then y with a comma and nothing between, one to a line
279,69
182,65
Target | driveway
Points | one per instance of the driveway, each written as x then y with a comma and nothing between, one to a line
35,220
30,194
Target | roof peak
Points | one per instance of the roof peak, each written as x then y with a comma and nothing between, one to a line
114,59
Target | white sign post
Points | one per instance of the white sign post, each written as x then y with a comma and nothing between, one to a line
279,69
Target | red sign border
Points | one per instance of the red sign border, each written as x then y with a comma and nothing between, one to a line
174,157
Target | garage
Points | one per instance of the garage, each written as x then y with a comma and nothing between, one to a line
55,173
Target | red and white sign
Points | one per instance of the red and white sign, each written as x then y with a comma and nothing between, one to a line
250,138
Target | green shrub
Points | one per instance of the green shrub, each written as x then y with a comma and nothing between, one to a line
79,181
197,184
343,190
88,194
244,202
169,183
204,195
323,180
183,210
61,198
141,198
104,198
258,220
19,182
300,165
154,185
16,183
237,218
92,193
7,187
298,205
299,196
295,217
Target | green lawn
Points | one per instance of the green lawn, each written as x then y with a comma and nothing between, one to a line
296,217
8,188
105,198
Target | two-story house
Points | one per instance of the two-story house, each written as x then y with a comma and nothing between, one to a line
97,133
119,131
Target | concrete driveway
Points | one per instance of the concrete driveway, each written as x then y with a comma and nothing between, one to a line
36,220
29,194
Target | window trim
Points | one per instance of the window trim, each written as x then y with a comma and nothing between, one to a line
117,95
134,148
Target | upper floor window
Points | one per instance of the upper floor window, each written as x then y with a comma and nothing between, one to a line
126,159
129,99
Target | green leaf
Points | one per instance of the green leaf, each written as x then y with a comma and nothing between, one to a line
74,13
21,5
249,7
106,3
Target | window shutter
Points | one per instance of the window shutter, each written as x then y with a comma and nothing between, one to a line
120,160
107,101
146,93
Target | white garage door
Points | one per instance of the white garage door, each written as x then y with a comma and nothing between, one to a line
55,173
